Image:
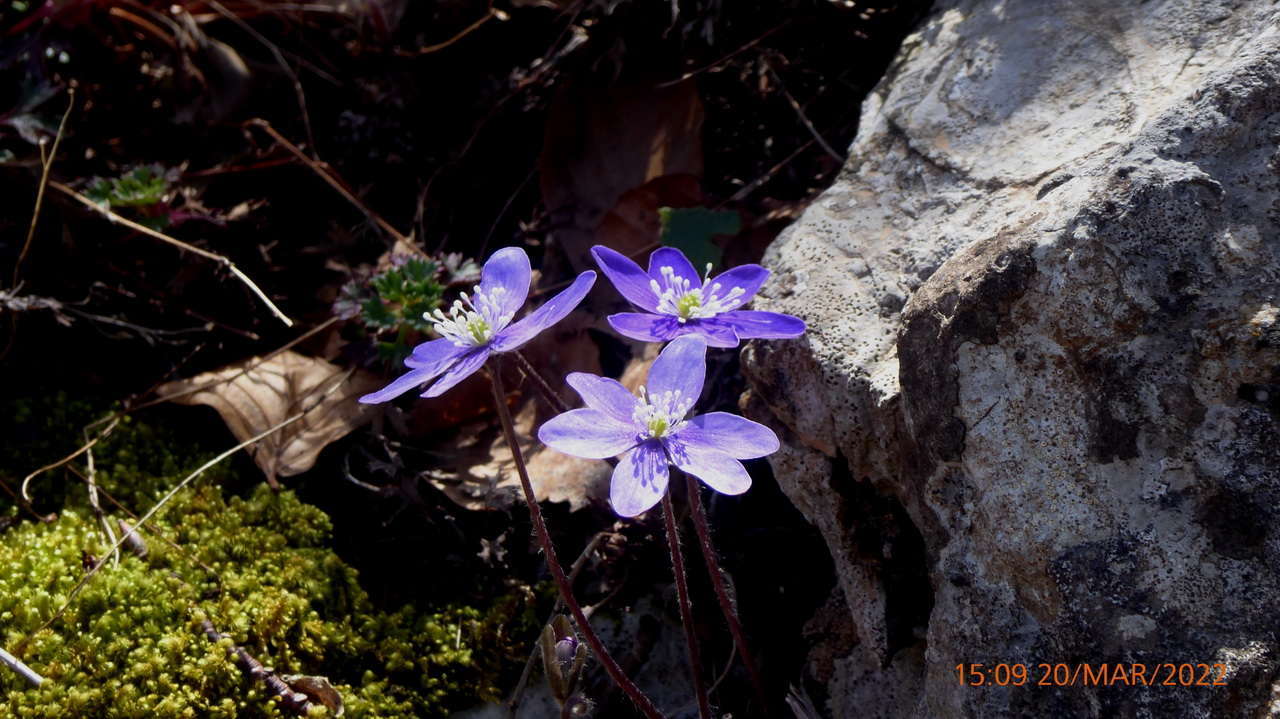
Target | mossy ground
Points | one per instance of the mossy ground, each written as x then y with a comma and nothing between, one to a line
258,567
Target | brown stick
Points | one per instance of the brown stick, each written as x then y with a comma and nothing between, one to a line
220,259
44,182
291,701
552,398
327,174
553,563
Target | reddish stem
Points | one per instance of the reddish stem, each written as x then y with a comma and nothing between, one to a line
719,584
553,563
686,609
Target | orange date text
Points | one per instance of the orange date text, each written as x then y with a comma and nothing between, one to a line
1061,674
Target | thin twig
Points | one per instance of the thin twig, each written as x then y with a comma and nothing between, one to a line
484,244
26,481
726,58
84,581
165,538
25,504
220,259
750,187
44,182
327,174
91,483
284,65
214,383
553,563
114,418
428,49
800,112
722,591
686,609
552,398
16,664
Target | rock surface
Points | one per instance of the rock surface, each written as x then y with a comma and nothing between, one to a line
1037,414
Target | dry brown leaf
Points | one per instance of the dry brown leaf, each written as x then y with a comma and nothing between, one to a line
604,142
254,395
634,223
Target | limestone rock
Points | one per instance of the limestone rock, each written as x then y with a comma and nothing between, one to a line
1037,413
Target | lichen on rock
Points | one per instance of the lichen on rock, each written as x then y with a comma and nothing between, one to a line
1041,308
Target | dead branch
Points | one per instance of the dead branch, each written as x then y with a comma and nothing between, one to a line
26,481
327,174
44,182
284,65
220,259
804,119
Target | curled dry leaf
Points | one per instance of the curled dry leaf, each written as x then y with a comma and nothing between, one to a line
255,395
318,690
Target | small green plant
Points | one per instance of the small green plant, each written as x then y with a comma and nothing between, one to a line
402,295
142,186
395,302
147,189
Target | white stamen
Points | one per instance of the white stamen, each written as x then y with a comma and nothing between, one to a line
661,415
680,298
472,320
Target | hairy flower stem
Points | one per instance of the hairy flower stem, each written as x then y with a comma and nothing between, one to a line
686,609
642,702
722,590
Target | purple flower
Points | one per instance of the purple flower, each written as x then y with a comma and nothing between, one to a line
479,324
676,301
650,431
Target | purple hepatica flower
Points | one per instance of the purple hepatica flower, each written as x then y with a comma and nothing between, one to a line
650,431
479,324
676,301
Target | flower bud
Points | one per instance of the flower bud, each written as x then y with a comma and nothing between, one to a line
566,649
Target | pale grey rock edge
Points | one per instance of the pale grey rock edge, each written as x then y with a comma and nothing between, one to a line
1036,413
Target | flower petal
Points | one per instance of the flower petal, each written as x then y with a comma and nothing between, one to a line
630,281
681,367
464,368
755,324
428,360
587,433
675,259
714,332
716,469
508,268
548,314
747,277
603,394
736,436
639,480
645,327
398,386
434,356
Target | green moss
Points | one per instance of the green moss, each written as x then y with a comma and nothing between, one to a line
259,568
